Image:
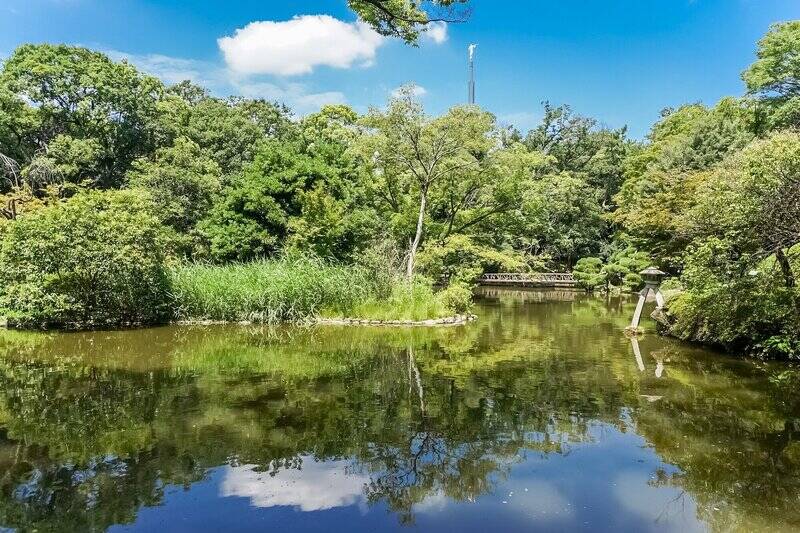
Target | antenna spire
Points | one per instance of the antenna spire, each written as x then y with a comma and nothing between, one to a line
471,95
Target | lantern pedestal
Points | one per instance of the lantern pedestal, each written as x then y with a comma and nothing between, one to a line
652,282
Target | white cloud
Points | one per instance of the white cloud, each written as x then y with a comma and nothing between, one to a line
296,95
318,486
169,69
416,90
222,82
297,46
436,32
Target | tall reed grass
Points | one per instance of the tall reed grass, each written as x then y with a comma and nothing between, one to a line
267,291
294,289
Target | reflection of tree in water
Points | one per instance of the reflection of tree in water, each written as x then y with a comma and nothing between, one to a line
734,438
421,413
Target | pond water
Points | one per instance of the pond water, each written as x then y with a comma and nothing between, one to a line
541,415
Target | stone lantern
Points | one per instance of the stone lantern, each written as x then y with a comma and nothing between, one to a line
652,282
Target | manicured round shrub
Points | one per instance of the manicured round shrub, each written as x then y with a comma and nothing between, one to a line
95,260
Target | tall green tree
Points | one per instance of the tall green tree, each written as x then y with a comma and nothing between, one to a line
412,152
100,110
182,181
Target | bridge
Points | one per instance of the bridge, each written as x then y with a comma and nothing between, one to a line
536,279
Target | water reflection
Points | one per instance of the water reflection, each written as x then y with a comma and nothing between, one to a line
659,356
534,417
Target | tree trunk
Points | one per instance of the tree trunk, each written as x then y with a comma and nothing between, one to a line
412,253
788,278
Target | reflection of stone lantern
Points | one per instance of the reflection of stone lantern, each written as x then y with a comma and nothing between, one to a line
652,281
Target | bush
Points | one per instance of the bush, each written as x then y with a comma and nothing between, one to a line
457,298
737,305
95,260
407,301
588,272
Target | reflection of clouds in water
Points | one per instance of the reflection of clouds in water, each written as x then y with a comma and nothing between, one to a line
538,499
667,508
318,486
432,503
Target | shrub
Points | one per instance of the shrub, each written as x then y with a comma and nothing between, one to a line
94,260
407,301
456,298
735,304
589,273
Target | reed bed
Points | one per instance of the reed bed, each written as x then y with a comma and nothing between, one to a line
406,301
266,291
296,289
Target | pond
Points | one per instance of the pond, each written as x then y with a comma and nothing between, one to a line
541,415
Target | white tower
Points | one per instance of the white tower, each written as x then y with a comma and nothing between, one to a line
471,49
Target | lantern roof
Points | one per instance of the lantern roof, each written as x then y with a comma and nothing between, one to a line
652,271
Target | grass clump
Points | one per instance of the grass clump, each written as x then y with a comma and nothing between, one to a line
295,289
410,301
267,291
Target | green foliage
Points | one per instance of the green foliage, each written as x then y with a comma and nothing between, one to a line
457,297
229,130
460,257
588,271
414,300
298,288
776,72
103,112
266,290
95,260
623,267
406,20
560,216
182,182
730,303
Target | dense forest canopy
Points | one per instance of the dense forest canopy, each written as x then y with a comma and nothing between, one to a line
712,195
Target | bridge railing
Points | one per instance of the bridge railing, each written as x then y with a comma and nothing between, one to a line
533,277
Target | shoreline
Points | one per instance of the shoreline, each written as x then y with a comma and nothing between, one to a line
455,320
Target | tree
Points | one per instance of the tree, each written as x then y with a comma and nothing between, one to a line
406,19
412,151
254,214
476,199
95,260
776,72
182,181
559,217
337,218
579,145
99,109
229,130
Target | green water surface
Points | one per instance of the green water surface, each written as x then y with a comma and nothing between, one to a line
541,416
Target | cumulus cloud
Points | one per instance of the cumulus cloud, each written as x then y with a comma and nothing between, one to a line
297,46
318,486
416,90
436,32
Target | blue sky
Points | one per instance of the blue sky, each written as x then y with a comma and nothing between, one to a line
620,61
